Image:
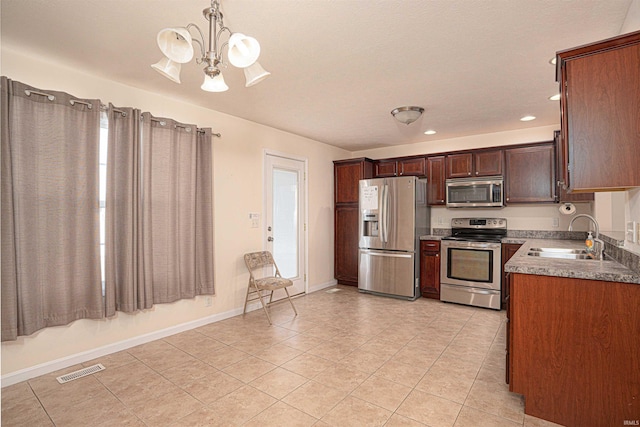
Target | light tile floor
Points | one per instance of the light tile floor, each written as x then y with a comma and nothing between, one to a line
348,359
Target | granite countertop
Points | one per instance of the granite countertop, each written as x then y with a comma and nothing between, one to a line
606,270
430,237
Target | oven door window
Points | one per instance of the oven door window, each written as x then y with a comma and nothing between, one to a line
472,265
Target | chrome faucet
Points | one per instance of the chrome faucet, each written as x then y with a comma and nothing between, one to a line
600,253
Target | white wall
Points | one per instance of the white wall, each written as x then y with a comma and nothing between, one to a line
238,166
632,20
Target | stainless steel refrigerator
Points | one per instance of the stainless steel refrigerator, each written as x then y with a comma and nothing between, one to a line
393,216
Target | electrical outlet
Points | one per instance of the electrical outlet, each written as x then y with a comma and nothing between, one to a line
208,301
555,222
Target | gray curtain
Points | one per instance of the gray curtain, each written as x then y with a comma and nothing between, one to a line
50,210
176,209
125,286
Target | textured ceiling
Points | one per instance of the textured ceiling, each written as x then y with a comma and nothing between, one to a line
339,66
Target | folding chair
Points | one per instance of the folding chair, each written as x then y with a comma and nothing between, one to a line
258,288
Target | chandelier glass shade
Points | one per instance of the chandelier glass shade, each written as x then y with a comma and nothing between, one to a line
176,44
407,115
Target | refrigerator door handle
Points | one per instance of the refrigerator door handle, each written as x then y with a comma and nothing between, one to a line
389,255
385,213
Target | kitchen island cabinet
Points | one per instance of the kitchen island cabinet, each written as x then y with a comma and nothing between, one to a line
347,175
600,114
508,250
430,268
573,349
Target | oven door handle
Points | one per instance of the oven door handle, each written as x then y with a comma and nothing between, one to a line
470,244
476,290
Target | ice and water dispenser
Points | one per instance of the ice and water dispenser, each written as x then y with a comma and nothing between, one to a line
370,225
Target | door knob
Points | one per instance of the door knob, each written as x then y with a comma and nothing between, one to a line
269,239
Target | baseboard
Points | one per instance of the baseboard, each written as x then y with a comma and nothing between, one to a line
65,362
316,288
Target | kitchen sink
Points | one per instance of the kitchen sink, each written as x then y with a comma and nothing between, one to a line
560,253
559,250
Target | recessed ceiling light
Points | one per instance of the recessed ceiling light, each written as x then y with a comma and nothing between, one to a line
527,118
552,61
430,132
555,97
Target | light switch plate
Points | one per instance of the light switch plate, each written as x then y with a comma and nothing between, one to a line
254,217
632,232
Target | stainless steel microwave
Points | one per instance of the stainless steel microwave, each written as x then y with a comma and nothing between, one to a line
487,192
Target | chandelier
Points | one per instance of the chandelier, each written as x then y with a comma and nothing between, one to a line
177,46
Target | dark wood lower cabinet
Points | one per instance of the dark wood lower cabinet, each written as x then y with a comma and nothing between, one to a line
508,250
573,349
346,245
430,268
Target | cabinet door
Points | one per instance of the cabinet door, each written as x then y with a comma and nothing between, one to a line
530,174
435,180
487,163
459,165
346,178
346,245
430,268
562,190
411,167
600,101
385,168
508,250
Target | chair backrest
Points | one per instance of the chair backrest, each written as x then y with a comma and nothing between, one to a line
258,260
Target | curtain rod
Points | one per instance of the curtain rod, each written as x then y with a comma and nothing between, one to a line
50,97
162,122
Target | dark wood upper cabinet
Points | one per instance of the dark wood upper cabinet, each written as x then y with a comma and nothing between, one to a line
600,106
460,165
346,176
406,166
487,163
563,192
474,164
385,168
531,174
411,167
436,180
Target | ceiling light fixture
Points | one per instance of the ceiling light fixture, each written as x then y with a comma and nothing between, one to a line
177,46
430,132
407,115
527,118
555,97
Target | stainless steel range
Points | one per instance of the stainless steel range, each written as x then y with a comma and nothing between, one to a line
471,262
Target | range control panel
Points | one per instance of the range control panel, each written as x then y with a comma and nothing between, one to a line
484,223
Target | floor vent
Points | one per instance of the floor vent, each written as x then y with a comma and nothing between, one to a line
334,290
81,373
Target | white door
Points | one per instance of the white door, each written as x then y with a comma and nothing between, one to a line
285,218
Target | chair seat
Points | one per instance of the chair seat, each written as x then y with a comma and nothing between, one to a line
271,283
